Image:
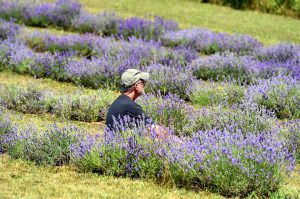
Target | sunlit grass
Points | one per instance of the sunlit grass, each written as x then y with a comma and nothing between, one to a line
20,179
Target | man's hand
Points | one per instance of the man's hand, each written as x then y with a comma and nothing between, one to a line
162,132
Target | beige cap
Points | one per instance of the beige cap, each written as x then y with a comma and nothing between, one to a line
131,76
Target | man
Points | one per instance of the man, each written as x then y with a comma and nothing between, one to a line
133,84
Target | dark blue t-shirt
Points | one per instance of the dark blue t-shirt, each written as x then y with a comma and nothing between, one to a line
124,106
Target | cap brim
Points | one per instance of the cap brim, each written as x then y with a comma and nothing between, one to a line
144,76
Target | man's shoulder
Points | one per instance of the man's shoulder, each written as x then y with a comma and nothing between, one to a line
125,100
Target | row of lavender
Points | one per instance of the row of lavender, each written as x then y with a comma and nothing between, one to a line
81,105
69,15
225,160
251,110
262,62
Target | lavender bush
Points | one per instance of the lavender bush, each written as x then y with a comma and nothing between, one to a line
170,111
99,72
127,153
51,147
244,116
293,139
280,94
8,29
226,66
60,14
6,127
226,161
14,9
104,24
40,15
53,66
68,14
281,52
26,100
80,106
230,163
282,58
209,42
15,56
95,73
136,51
41,42
64,12
170,80
83,106
146,29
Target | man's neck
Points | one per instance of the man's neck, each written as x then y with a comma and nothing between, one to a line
131,95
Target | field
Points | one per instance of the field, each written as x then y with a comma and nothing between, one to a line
224,83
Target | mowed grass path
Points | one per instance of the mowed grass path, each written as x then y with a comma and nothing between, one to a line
267,28
20,179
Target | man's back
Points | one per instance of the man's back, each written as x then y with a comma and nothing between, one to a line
124,106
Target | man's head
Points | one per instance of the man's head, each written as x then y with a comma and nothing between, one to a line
133,82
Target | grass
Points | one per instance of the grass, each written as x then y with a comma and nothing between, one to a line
20,179
267,28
